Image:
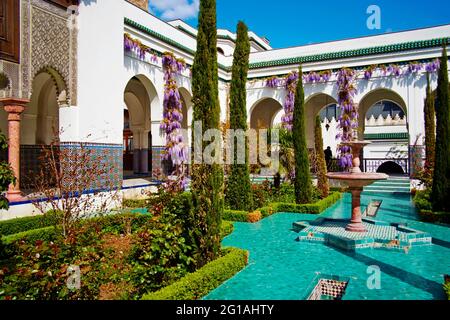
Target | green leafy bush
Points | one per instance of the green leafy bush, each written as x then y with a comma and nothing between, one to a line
198,284
314,208
17,225
226,228
133,203
235,215
422,199
160,254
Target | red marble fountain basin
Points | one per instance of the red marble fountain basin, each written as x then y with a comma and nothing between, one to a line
357,180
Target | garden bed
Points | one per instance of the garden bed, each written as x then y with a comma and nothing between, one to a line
121,256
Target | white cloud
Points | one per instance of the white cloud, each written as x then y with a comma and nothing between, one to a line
175,9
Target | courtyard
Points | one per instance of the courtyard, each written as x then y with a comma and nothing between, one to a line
199,163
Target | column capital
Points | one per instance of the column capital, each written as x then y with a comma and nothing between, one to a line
14,102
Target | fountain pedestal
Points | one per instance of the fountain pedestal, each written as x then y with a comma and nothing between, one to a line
356,181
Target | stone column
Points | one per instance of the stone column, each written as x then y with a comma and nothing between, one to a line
14,107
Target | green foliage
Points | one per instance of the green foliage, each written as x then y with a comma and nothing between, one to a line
430,126
133,203
235,215
302,181
6,174
435,217
441,177
160,254
422,199
447,286
322,180
9,227
38,270
286,150
238,192
227,228
198,284
207,179
313,208
31,236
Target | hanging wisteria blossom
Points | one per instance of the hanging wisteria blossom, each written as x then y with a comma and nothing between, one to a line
134,45
290,85
348,119
175,149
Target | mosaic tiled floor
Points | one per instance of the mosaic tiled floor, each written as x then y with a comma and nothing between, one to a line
379,234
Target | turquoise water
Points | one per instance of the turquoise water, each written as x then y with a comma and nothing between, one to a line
281,268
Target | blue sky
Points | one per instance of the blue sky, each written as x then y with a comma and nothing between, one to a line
294,22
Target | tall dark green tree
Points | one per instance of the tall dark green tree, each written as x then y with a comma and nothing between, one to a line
207,178
441,175
430,126
239,193
322,180
302,181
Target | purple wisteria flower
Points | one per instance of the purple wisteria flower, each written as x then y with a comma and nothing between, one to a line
290,85
273,82
348,119
433,66
175,149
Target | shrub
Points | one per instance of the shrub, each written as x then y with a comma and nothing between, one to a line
314,208
447,286
31,236
17,225
160,254
135,203
254,216
227,228
422,199
235,215
198,284
430,216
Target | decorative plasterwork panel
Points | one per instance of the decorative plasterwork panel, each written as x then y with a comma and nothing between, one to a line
48,44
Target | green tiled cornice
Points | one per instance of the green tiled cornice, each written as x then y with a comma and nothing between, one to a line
413,45
386,136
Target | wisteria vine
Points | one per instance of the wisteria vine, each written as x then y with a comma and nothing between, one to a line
134,45
175,149
348,119
345,81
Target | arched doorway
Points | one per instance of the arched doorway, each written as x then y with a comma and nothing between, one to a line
139,98
390,167
384,122
265,114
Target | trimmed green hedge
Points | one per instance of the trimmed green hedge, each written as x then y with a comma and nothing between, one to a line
313,208
18,225
226,228
130,203
430,216
198,284
235,215
44,234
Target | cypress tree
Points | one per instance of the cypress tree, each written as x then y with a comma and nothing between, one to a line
322,180
430,126
441,175
207,179
302,181
239,193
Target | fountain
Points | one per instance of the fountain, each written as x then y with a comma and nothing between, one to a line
356,181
